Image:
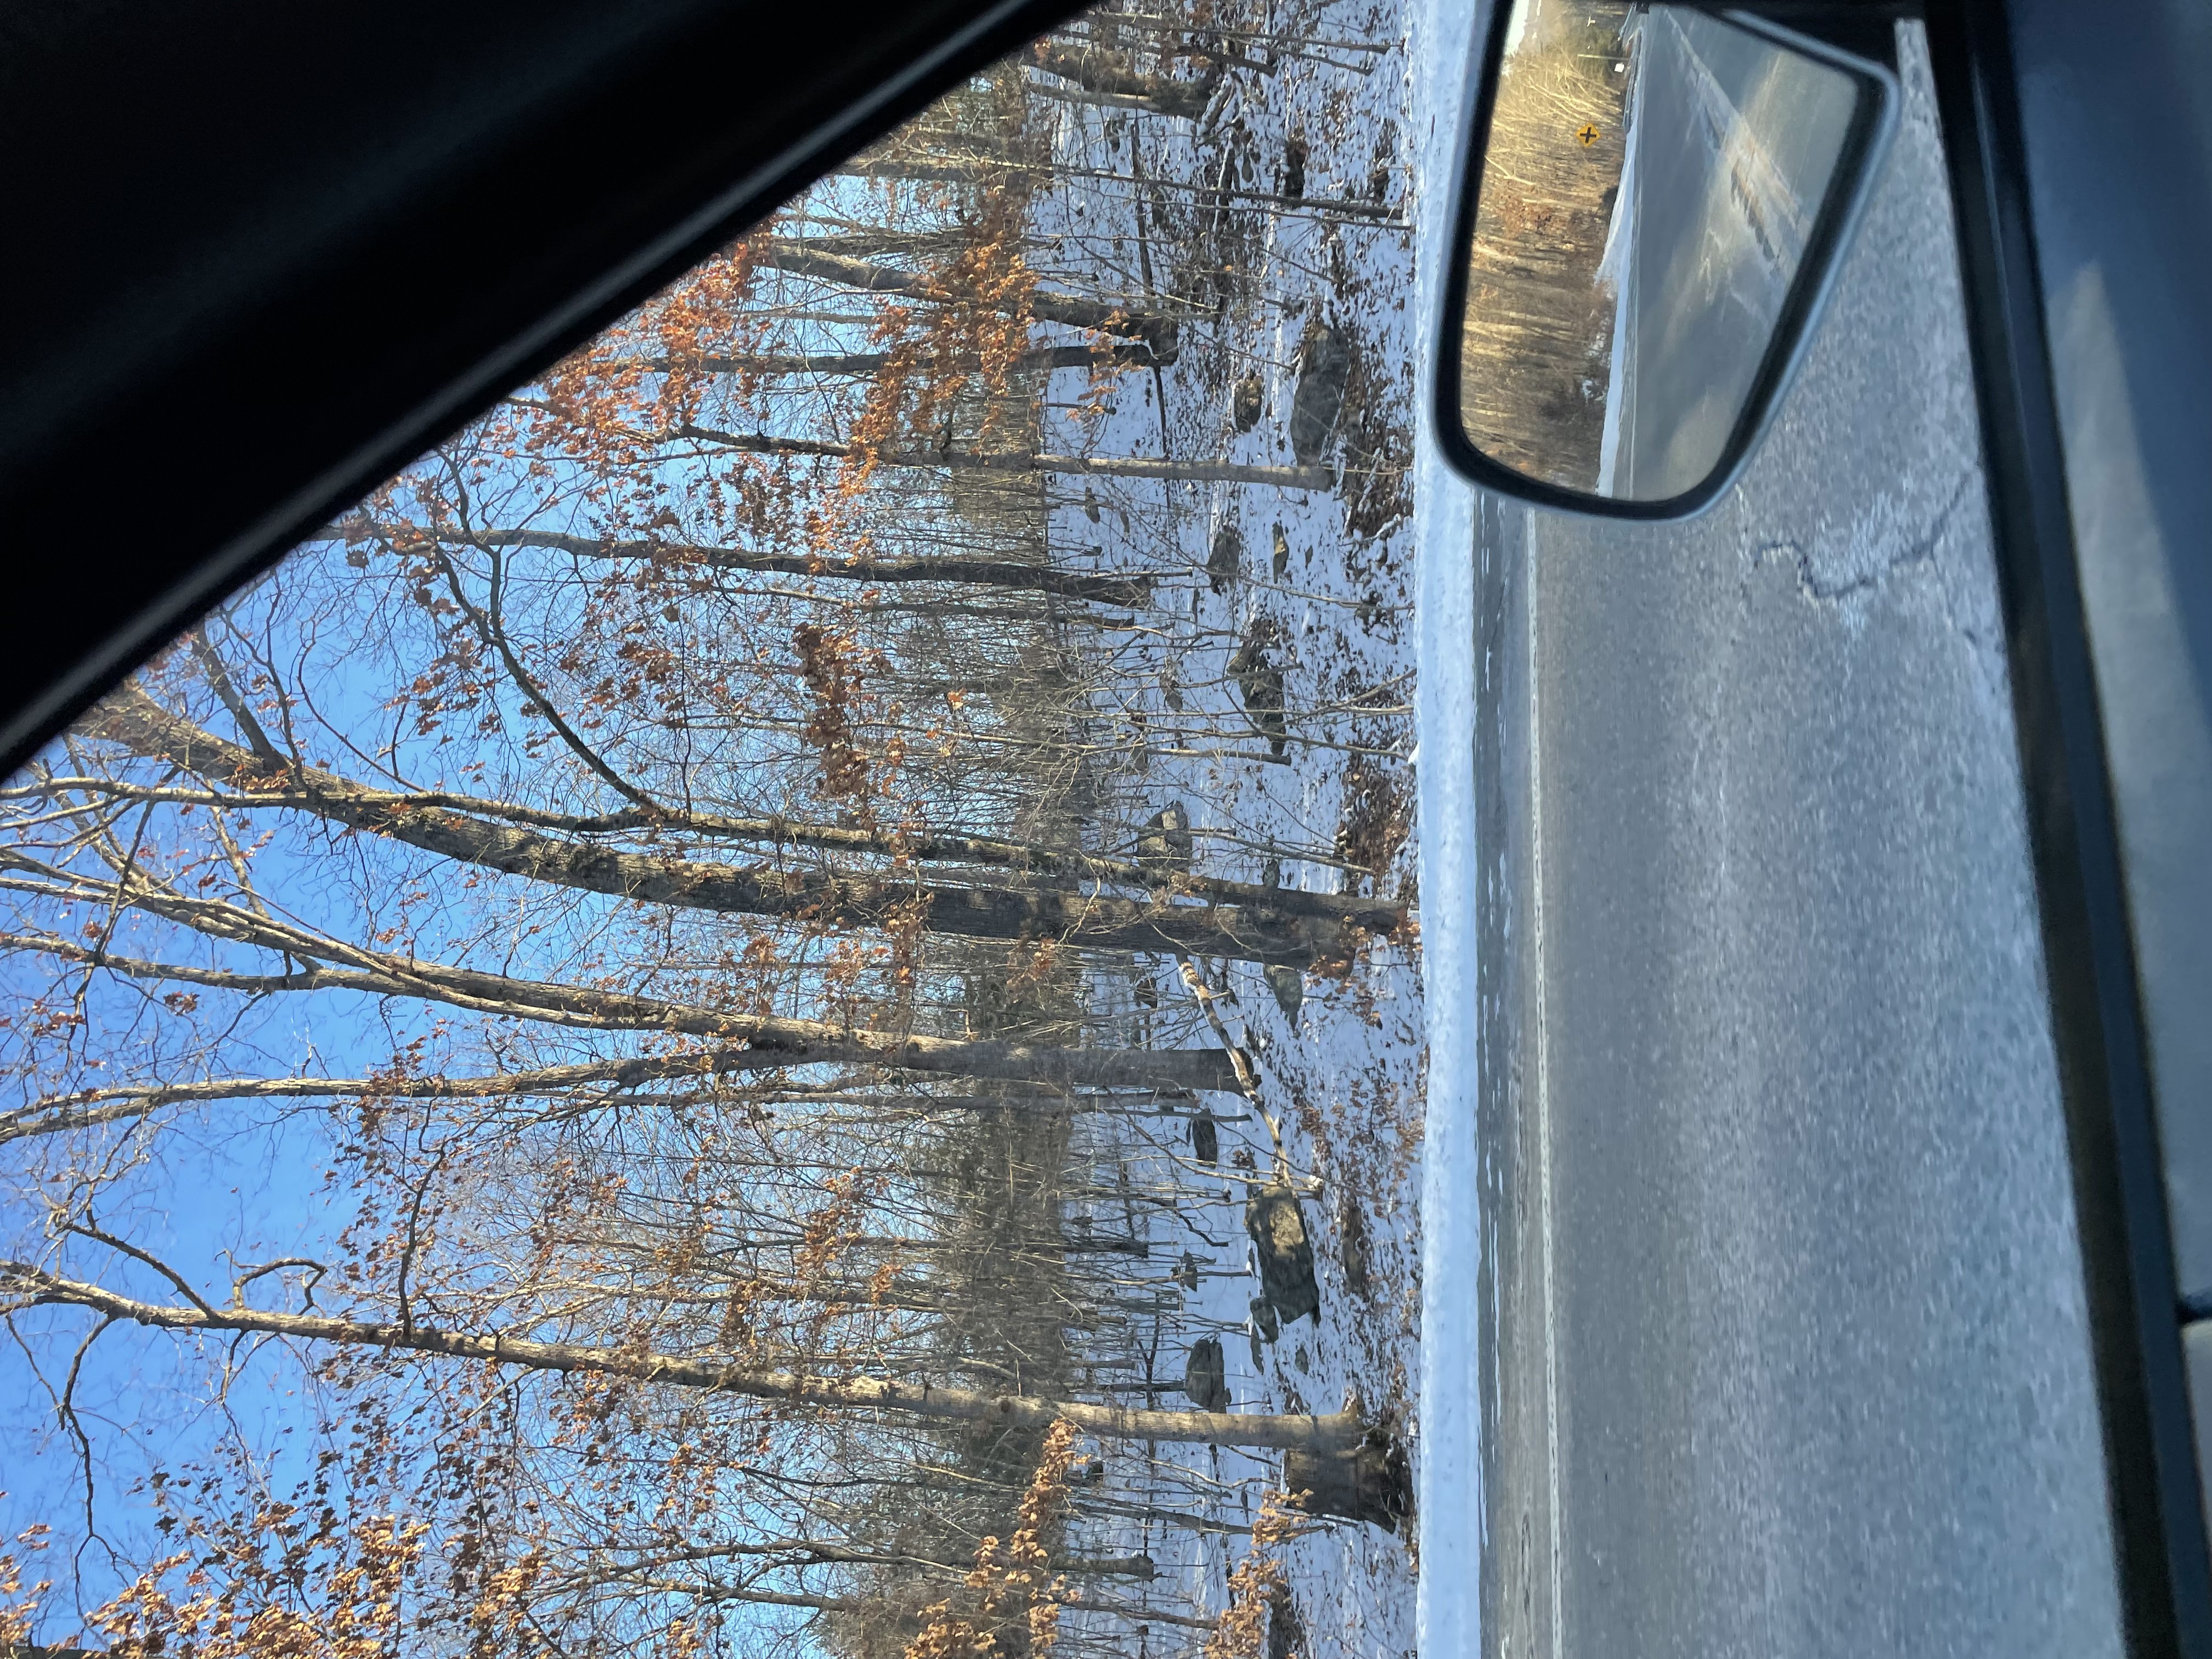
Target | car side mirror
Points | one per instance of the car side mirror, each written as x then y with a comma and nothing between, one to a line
1653,205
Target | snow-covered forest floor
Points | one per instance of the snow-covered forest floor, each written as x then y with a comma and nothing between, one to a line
1326,574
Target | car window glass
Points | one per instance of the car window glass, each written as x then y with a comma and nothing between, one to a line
773,1000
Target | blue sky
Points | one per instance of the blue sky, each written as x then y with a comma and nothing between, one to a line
211,1200
231,1186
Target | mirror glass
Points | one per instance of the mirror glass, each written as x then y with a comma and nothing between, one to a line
1652,178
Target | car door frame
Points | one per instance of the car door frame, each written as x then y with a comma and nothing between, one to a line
2091,960
262,256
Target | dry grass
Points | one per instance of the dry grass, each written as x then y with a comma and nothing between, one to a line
1376,818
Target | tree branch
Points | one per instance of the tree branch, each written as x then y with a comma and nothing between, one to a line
770,1041
921,845
922,1400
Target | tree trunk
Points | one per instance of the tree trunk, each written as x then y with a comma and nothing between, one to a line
1262,934
876,1605
1120,354
771,1043
979,171
1330,1434
947,170
924,846
1095,70
806,1552
1366,1480
877,572
86,1107
864,276
1081,467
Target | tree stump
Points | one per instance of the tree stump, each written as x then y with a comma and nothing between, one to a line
1206,1377
1351,1232
1284,1252
1265,1325
1370,1481
1324,366
1286,1632
1261,682
1245,411
1223,563
1295,152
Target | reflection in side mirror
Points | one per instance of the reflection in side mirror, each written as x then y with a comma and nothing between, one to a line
1659,198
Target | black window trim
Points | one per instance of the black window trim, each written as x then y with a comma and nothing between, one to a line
2165,1571
197,463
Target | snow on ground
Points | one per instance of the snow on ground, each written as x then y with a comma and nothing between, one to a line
1330,579
1445,37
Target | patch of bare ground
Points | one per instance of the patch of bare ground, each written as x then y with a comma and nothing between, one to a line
1378,816
1378,446
1364,1134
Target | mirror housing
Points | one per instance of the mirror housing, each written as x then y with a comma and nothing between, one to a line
1658,244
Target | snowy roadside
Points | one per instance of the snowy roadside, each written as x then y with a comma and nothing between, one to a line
1447,1615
